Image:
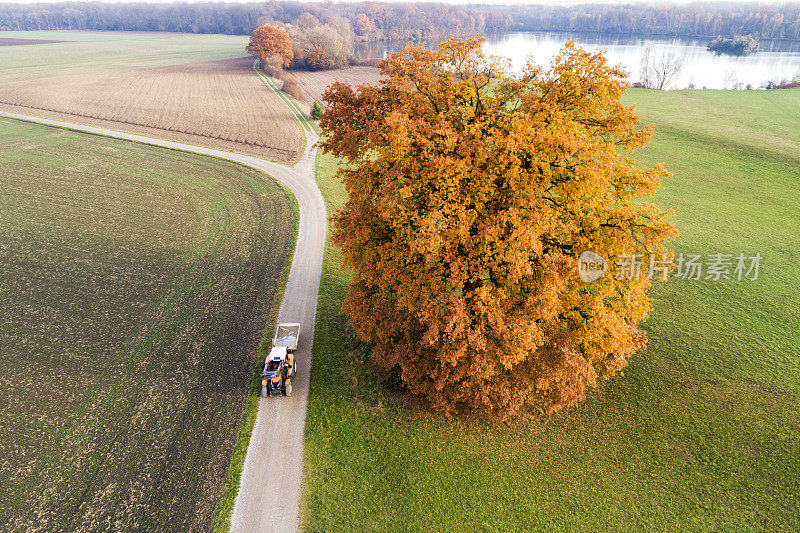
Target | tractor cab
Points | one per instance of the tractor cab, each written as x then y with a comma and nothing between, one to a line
275,361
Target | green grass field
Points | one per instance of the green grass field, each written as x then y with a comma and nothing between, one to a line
702,432
82,52
136,284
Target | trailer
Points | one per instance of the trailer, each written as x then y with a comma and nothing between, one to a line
279,368
287,335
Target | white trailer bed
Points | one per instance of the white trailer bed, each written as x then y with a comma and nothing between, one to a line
287,335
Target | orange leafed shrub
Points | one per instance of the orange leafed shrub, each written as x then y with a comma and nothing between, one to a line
318,59
267,41
471,194
292,88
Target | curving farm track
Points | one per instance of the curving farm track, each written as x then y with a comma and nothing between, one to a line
269,492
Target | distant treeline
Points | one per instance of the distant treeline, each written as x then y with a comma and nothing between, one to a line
375,20
371,20
777,21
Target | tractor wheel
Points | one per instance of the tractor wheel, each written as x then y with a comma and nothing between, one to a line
289,389
264,391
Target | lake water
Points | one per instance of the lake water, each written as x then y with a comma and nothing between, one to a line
775,60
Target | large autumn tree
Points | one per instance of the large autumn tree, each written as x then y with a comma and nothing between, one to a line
268,41
471,194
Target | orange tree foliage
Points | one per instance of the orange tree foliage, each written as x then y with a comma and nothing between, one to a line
471,194
318,59
267,41
363,25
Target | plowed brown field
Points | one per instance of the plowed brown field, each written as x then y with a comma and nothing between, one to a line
220,103
314,84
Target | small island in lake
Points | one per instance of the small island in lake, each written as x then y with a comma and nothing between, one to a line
734,46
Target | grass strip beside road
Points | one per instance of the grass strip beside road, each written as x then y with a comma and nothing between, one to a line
224,509
294,109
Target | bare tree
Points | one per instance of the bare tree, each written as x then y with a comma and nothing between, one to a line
658,71
731,82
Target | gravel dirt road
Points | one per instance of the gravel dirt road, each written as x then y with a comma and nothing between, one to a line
269,492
